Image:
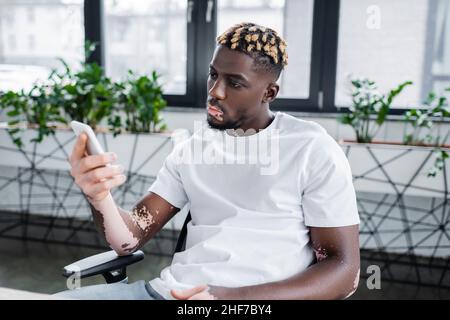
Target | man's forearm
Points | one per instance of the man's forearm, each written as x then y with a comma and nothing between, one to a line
124,231
332,278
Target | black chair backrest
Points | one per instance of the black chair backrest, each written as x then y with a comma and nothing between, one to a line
181,242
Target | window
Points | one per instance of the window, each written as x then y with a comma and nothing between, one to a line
8,18
328,42
26,58
440,69
293,19
391,42
30,14
31,43
147,35
12,42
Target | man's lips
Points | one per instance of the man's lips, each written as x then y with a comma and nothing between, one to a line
215,112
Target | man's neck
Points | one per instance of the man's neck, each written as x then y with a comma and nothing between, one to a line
253,126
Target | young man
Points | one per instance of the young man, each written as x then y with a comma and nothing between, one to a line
290,232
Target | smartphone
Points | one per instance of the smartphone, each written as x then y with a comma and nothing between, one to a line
93,146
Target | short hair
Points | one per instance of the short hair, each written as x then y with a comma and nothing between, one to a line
263,44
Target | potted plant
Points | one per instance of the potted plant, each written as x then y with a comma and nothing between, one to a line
420,130
369,108
141,101
380,166
399,183
86,95
37,109
125,114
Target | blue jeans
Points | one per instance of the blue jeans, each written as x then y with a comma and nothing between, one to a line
139,290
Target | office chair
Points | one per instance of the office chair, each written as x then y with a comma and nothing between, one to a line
113,267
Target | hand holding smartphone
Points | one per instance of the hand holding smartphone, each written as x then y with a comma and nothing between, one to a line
93,146
94,174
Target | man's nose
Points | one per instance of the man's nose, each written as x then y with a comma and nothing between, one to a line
218,90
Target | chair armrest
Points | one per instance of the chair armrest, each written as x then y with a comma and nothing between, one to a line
101,263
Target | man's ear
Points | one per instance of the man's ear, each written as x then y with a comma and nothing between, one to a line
271,92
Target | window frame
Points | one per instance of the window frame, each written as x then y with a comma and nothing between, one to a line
201,44
317,95
94,26
426,70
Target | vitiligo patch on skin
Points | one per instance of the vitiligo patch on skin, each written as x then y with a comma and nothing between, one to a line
355,284
117,234
356,281
142,217
123,230
195,293
321,254
207,295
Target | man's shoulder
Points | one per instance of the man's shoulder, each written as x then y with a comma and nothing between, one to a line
309,134
301,128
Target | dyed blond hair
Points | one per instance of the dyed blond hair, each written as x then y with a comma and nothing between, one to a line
261,43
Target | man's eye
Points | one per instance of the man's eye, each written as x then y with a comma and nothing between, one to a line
235,84
212,75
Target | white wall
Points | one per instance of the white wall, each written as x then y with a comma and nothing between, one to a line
391,131
184,118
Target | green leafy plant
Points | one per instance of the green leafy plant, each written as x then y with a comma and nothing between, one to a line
421,120
439,162
14,105
38,108
141,103
85,95
369,108
420,125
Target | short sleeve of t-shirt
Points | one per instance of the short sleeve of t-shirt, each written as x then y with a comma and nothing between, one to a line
328,197
168,184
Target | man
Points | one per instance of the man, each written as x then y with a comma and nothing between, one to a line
284,233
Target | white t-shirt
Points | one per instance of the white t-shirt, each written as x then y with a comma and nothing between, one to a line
251,209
